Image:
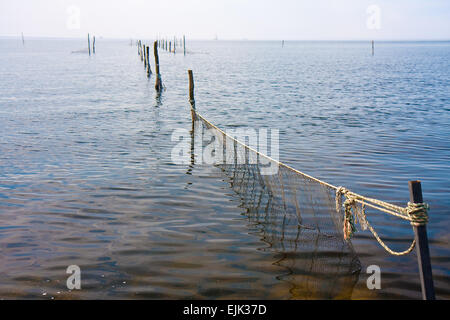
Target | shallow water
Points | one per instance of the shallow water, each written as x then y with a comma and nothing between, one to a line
86,175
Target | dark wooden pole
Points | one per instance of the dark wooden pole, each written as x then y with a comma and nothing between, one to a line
191,89
93,45
149,70
174,44
184,45
89,44
145,58
423,252
158,83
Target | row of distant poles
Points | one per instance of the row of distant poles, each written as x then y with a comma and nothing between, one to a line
144,54
171,46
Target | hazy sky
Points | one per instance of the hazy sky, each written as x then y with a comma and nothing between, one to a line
230,19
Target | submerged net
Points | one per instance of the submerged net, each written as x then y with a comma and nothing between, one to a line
296,215
299,213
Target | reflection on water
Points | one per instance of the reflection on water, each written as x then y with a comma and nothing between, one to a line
86,175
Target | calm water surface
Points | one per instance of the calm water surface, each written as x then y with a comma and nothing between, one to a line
86,175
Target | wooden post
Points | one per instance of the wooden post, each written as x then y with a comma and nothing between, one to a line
191,89
145,58
158,84
282,43
149,70
174,44
89,44
184,45
93,45
373,47
23,40
423,252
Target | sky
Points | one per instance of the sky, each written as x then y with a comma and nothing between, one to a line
229,19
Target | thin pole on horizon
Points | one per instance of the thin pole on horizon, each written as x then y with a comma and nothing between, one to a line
174,44
89,45
23,40
184,45
93,45
373,47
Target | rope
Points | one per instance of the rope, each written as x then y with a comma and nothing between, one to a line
415,213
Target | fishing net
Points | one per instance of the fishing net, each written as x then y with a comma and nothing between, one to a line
297,215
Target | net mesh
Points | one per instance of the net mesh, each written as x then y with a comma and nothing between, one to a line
296,214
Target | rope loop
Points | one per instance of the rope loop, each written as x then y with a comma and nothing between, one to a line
418,213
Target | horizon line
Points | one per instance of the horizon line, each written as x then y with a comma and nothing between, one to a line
19,36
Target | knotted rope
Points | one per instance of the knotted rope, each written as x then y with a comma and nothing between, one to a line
416,213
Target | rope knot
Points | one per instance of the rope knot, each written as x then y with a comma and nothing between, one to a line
349,205
418,213
340,191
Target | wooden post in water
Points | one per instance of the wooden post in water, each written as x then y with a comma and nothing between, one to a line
184,45
191,89
93,45
174,44
145,58
373,47
423,252
282,43
23,40
158,83
149,70
89,45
